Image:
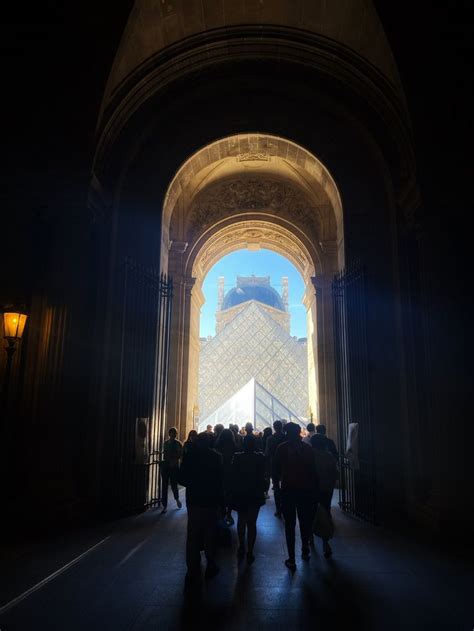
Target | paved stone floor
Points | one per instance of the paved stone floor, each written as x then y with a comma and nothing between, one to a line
133,581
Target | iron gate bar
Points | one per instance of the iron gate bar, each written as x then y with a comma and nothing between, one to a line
161,383
144,355
357,487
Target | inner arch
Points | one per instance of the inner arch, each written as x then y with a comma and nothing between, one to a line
253,235
274,175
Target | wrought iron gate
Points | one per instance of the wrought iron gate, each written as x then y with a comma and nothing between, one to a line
143,369
357,485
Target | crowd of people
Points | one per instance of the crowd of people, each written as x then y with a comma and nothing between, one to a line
230,470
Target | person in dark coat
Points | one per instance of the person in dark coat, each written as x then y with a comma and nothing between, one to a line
267,432
237,437
330,444
225,445
294,466
217,432
172,454
248,487
272,443
327,474
201,472
191,441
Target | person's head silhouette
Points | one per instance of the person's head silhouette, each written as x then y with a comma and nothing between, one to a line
292,431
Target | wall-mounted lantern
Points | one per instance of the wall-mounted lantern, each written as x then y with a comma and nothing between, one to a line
13,326
13,321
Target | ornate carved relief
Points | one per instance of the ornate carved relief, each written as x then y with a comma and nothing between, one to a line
253,232
242,194
253,156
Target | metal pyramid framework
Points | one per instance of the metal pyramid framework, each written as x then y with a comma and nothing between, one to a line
252,403
253,345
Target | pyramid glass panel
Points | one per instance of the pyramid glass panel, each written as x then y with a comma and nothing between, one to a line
253,403
253,344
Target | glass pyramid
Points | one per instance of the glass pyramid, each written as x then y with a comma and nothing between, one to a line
253,345
252,403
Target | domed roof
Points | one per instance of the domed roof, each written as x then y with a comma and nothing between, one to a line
261,292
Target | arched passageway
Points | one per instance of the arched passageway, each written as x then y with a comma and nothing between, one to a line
251,191
177,195
313,154
228,124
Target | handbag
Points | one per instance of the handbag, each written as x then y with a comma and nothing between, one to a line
323,525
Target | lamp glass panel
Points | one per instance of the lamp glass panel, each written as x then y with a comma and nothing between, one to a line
14,324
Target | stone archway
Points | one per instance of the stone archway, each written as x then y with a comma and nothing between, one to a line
251,191
182,79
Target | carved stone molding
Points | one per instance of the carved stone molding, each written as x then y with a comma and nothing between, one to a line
315,195
253,232
253,156
252,193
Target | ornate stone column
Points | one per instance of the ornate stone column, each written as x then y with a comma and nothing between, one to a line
194,349
325,353
179,349
309,301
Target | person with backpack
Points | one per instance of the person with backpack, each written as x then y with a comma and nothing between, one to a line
294,468
330,445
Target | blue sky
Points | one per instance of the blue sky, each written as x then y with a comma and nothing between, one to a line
261,263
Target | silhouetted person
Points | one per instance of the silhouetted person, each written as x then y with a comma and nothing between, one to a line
295,467
330,444
191,441
272,443
258,441
225,445
217,432
172,454
237,437
267,432
327,474
248,484
249,431
311,429
201,473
